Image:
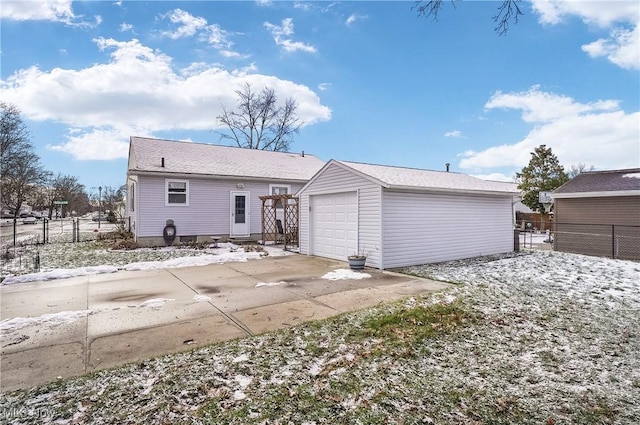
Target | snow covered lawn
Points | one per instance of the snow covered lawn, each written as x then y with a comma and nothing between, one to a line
65,260
532,338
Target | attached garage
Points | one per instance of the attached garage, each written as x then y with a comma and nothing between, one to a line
401,216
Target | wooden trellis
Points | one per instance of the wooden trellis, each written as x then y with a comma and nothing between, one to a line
280,220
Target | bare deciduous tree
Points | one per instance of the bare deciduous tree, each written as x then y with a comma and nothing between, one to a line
509,10
575,169
20,168
67,188
259,122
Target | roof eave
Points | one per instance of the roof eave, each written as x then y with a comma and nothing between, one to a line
601,194
213,176
451,190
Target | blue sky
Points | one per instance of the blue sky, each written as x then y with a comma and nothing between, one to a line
374,82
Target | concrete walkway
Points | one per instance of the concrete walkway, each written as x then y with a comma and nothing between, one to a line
89,323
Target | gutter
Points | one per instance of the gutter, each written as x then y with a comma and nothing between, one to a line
166,174
611,193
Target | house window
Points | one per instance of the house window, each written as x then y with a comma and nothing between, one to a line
279,189
132,197
177,192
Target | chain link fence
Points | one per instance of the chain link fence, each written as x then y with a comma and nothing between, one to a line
603,240
20,242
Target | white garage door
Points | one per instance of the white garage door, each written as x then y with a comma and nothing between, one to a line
334,225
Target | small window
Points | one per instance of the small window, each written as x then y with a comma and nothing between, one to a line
177,192
275,189
132,197
279,190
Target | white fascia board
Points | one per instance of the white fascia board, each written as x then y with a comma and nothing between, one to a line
595,194
456,191
169,174
344,167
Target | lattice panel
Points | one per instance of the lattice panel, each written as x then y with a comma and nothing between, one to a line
283,209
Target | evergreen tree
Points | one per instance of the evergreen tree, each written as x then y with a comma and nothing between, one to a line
543,174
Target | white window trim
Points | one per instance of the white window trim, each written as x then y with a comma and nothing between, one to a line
271,186
132,197
166,193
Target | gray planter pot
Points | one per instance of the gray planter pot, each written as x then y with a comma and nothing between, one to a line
357,263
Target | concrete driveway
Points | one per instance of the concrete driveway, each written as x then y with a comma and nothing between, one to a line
79,325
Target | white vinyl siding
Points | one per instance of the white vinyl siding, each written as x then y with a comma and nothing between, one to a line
421,228
336,179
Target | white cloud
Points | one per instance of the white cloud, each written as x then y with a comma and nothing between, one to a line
264,2
539,106
137,92
454,133
124,27
597,133
622,48
281,35
44,10
353,18
324,86
188,25
621,19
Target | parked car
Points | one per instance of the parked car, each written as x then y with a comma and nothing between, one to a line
29,220
99,217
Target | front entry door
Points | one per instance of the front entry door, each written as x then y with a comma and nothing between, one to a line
240,214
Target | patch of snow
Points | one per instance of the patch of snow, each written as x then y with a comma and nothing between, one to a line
317,367
261,284
16,323
345,274
240,358
155,303
243,381
189,258
59,274
239,395
201,298
632,175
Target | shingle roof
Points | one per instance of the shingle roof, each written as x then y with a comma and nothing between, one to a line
601,181
408,178
203,159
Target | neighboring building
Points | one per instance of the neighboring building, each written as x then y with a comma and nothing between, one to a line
598,213
207,190
401,216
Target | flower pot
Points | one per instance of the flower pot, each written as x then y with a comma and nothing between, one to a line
357,263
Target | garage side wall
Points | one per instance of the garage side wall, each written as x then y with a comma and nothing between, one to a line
422,228
600,226
335,179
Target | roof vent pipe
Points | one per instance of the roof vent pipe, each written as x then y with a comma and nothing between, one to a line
162,162
447,165
303,154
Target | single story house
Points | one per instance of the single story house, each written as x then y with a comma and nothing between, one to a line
598,213
402,216
206,190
